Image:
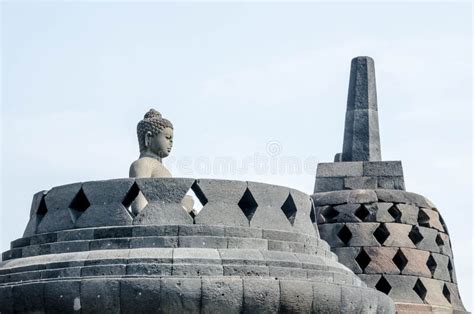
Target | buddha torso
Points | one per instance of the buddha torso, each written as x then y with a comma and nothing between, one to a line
148,167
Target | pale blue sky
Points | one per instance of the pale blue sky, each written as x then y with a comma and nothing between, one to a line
236,80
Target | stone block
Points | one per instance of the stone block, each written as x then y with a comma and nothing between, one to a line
109,244
287,272
356,183
409,214
104,215
12,254
431,220
155,231
222,207
189,255
100,296
34,250
322,276
269,213
154,242
247,243
108,191
6,299
158,255
245,270
383,168
342,197
149,269
398,196
326,298
202,242
416,263
222,295
340,169
107,257
329,233
362,234
261,295
434,292
243,232
281,259
428,241
75,235
43,238
63,296
401,288
180,295
55,221
381,260
441,271
281,235
347,257
103,270
20,242
24,276
61,273
302,222
295,296
201,230
391,183
242,256
328,184
28,298
399,235
286,246
196,270
382,214
70,246
140,295
59,198
114,232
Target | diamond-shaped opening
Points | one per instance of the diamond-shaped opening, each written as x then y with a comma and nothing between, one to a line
362,212
194,200
248,204
415,235
79,205
423,218
381,233
345,234
363,259
446,293
450,270
383,285
441,220
41,211
289,209
130,197
431,263
400,260
439,240
329,213
420,289
395,213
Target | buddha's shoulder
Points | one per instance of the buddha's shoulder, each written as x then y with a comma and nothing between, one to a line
144,161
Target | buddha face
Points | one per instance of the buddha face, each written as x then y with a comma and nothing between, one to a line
161,143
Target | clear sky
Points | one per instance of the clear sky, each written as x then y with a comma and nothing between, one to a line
244,84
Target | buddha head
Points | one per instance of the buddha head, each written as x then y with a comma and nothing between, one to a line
155,135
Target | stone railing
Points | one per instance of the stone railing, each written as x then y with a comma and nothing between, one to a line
228,203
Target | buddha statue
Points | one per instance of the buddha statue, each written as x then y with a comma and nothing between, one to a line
155,140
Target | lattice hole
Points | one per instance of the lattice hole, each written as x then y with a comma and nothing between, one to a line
381,233
400,260
439,240
194,200
395,213
289,209
79,205
329,213
446,293
441,220
41,211
248,205
431,263
420,289
450,270
363,259
415,235
383,285
362,212
344,234
312,215
130,197
423,218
